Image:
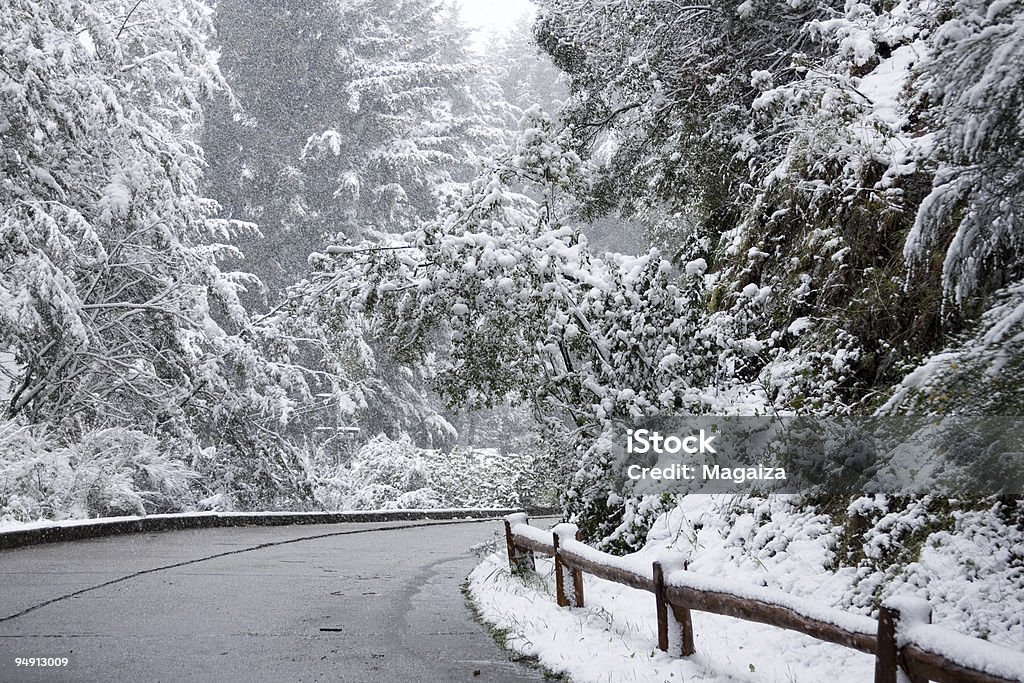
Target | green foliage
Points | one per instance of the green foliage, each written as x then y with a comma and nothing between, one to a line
887,533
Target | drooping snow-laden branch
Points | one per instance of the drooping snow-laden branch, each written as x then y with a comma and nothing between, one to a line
114,310
520,305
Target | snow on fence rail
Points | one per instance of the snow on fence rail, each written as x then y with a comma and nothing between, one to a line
903,637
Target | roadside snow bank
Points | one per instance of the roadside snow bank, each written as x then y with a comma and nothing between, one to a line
970,569
615,638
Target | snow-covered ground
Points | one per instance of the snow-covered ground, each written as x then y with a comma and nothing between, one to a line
969,575
614,638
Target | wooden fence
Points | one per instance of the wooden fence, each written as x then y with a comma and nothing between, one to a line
902,638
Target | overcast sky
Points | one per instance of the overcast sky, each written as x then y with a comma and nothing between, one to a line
485,15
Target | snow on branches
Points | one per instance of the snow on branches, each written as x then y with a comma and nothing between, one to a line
521,304
112,297
976,207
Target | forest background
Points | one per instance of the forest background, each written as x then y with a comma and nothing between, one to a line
273,255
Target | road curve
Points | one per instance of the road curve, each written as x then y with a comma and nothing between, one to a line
351,602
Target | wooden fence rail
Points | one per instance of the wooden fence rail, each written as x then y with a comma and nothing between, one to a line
901,639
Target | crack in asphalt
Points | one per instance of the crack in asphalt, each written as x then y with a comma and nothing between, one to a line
228,553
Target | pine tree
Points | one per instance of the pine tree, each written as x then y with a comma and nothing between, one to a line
358,124
283,63
112,295
975,210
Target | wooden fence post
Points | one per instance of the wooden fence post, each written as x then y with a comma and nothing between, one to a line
887,656
660,606
685,621
577,576
519,560
559,575
891,614
675,635
577,587
559,534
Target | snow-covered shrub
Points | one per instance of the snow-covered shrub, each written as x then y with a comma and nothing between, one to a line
381,473
883,535
980,373
966,560
109,472
637,517
387,474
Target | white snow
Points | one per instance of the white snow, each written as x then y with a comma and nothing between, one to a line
799,326
778,554
614,638
529,531
9,369
85,39
696,267
886,81
517,518
974,654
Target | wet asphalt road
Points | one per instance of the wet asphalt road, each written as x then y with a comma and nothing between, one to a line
368,603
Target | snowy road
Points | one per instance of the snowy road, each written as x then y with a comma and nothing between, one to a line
369,602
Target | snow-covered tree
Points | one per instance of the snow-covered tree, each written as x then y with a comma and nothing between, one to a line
662,89
526,75
405,125
975,211
504,300
113,301
281,60
358,124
